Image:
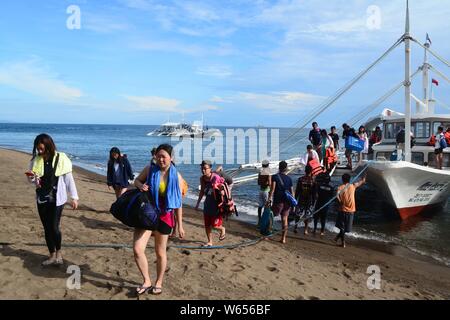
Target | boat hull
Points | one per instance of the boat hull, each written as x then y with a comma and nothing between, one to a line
409,188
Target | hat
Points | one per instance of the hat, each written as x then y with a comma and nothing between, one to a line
206,162
265,162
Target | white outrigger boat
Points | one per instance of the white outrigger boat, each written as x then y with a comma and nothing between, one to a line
410,184
182,129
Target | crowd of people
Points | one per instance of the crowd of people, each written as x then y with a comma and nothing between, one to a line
51,173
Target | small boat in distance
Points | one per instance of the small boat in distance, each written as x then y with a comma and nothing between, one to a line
183,129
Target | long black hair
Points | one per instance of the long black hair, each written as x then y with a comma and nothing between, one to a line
47,141
111,158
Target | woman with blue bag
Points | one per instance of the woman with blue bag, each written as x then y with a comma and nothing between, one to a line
165,185
283,199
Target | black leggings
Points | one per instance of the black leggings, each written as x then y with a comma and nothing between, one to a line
50,216
322,215
341,235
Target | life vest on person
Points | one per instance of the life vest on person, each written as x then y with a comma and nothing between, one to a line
447,137
316,168
222,195
331,156
432,141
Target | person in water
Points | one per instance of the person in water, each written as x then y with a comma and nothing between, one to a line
51,172
306,195
325,193
281,206
119,172
165,186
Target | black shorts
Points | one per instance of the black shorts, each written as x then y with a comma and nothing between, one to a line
164,228
438,151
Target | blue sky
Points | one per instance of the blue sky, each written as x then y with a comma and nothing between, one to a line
239,63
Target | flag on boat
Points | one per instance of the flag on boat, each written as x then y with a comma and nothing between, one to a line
434,81
428,39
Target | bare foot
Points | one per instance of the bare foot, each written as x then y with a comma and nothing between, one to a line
283,241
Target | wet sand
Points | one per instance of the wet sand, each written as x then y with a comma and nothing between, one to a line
305,268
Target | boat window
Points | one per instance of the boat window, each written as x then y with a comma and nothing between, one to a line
436,125
421,129
432,160
417,158
392,129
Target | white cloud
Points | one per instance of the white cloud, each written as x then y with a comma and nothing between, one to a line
215,71
217,99
163,105
279,102
152,103
31,77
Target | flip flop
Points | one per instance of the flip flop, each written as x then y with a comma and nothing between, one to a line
206,245
222,237
156,291
146,289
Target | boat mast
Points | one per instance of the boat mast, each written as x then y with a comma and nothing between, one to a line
426,78
407,39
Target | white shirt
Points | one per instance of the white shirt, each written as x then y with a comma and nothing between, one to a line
314,155
439,137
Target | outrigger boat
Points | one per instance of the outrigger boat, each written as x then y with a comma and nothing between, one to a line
409,183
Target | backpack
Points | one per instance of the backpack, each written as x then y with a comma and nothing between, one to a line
222,195
266,223
443,142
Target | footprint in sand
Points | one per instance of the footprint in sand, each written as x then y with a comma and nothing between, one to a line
298,282
313,298
238,268
273,269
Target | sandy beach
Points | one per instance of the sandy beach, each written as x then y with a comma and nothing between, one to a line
305,268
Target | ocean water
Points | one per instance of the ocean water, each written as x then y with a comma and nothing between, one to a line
89,145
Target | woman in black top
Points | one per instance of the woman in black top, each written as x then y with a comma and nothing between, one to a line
119,172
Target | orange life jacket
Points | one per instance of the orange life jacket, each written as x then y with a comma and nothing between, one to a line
316,168
447,137
432,141
331,156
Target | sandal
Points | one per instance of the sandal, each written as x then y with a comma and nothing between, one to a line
156,291
145,290
222,237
